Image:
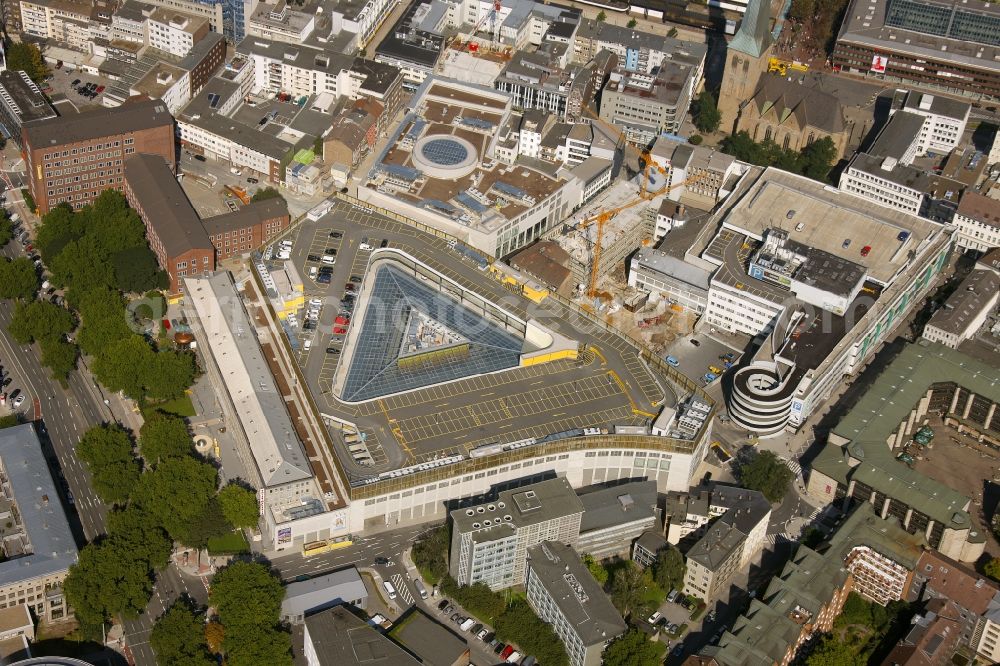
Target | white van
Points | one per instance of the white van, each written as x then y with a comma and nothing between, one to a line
236,171
389,589
468,624
307,345
329,260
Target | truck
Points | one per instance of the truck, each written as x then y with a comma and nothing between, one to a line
421,590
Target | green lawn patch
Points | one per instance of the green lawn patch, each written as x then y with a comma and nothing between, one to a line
181,406
229,544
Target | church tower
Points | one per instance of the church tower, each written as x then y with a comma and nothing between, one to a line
746,61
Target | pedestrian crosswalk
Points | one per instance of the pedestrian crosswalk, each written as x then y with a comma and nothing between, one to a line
402,589
793,465
778,537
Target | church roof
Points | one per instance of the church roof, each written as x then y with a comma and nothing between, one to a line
754,35
808,106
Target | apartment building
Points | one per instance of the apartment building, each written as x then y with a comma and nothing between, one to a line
175,33
647,547
880,555
240,232
637,51
565,595
280,23
937,577
489,542
173,229
218,13
64,21
704,172
978,222
74,158
615,517
966,310
38,546
21,102
857,467
728,544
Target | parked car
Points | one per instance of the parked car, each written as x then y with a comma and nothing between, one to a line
500,647
356,279
710,377
654,617
252,180
506,652
339,330
482,634
313,257
336,234
332,350
383,561
489,637
454,618
99,89
200,158
443,604
672,361
18,401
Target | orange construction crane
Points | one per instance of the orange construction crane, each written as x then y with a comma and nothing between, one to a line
239,193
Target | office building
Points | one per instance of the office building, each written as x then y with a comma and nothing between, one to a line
978,222
966,310
173,32
656,271
826,295
72,159
337,637
20,102
856,465
565,595
647,105
939,578
173,229
305,597
615,517
728,544
489,542
949,46
637,51
944,119
38,547
238,233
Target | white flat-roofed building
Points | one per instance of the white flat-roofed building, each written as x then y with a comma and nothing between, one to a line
675,279
819,260
280,23
565,595
966,310
268,446
174,32
978,222
944,120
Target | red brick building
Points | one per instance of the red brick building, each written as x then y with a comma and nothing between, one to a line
72,159
246,229
173,228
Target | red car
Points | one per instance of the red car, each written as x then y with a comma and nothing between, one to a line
349,286
507,651
865,250
341,319
339,330
100,89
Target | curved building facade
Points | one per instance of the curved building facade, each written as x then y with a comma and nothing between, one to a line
761,398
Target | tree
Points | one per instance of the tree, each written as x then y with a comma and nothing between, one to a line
599,573
18,279
248,598
178,637
124,365
430,554
239,505
58,356
107,450
39,320
26,56
519,624
215,634
632,23
672,33
175,492
602,17
802,10
169,375
136,270
628,588
831,652
102,320
706,113
267,647
137,534
265,193
208,524
818,158
164,436
669,570
767,474
106,582
992,568
6,231
633,648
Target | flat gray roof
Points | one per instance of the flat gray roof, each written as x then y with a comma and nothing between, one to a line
658,261
579,597
527,505
618,505
343,586
433,643
132,116
340,638
23,98
49,539
232,340
896,137
781,200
